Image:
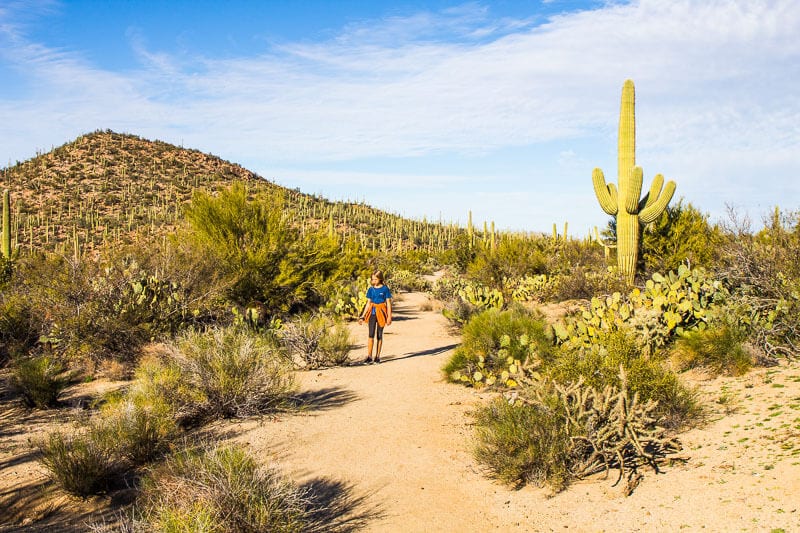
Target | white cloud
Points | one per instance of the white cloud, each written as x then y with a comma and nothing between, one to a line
716,92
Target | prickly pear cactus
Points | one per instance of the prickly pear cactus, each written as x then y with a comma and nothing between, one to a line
669,305
349,300
625,204
529,288
481,297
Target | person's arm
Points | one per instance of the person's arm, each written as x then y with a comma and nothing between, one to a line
364,311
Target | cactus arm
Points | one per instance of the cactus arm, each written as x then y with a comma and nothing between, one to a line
655,190
654,210
606,194
630,189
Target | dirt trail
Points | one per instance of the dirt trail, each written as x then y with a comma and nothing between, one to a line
400,437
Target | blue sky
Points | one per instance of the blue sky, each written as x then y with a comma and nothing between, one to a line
427,109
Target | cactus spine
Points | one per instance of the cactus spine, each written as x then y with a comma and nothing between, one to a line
629,210
6,224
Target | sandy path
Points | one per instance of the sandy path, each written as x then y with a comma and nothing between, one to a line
396,431
400,437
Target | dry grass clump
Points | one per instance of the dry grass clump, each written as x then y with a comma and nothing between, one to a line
235,372
39,380
220,489
81,464
316,341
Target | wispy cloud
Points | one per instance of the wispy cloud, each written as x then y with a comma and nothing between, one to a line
713,78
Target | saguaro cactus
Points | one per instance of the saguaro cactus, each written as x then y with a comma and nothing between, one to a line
625,205
6,224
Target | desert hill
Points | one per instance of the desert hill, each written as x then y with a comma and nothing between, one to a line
106,187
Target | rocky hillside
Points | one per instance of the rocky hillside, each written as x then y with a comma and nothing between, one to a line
105,188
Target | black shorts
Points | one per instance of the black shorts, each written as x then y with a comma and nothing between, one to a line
374,328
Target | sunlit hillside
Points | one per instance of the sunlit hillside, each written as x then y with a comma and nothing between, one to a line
107,187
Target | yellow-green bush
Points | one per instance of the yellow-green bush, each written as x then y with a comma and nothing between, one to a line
220,490
496,344
681,235
236,372
39,379
521,443
80,463
260,255
718,348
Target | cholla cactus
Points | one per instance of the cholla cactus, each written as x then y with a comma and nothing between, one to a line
625,204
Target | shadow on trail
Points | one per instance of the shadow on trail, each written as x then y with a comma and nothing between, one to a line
333,506
324,399
431,351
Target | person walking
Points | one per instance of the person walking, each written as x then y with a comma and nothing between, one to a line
377,313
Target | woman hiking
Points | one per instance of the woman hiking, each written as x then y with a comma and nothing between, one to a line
377,313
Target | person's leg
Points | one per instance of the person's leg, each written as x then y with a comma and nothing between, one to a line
373,324
379,336
369,350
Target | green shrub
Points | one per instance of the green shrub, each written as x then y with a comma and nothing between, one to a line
681,235
718,348
522,443
260,255
495,341
513,257
404,280
94,310
20,326
237,373
221,489
81,464
39,379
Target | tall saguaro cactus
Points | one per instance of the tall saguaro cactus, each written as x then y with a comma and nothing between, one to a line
6,224
625,204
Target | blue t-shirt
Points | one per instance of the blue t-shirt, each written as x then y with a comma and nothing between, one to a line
378,295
